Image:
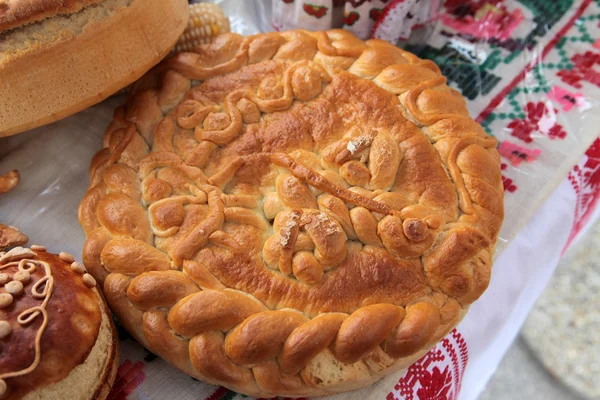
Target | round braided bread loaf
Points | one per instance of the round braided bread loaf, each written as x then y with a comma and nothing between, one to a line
294,213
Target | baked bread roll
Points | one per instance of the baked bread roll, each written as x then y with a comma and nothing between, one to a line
57,337
11,236
292,214
9,181
59,57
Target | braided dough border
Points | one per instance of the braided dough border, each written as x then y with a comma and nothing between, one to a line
227,337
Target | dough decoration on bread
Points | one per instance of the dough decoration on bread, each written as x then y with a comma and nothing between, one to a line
294,213
29,329
41,290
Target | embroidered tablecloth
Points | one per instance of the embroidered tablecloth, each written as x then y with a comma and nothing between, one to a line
530,70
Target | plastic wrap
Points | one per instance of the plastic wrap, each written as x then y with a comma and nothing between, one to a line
528,70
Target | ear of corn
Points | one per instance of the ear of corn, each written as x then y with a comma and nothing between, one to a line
207,21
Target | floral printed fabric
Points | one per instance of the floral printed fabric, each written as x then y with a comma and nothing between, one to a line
528,69
391,20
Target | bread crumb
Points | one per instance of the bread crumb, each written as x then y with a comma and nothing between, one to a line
354,145
351,147
326,224
286,232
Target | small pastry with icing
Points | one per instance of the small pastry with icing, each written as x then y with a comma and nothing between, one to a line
57,338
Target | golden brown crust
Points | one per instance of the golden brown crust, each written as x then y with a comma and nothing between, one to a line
54,322
9,181
10,236
109,53
316,213
107,378
14,13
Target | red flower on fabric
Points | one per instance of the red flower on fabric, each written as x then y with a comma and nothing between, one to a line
314,10
521,130
508,184
351,17
541,117
435,384
557,132
583,70
375,13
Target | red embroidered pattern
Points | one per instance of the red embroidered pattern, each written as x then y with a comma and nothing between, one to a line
583,70
586,182
437,375
568,100
482,19
517,154
129,377
435,385
541,117
507,182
